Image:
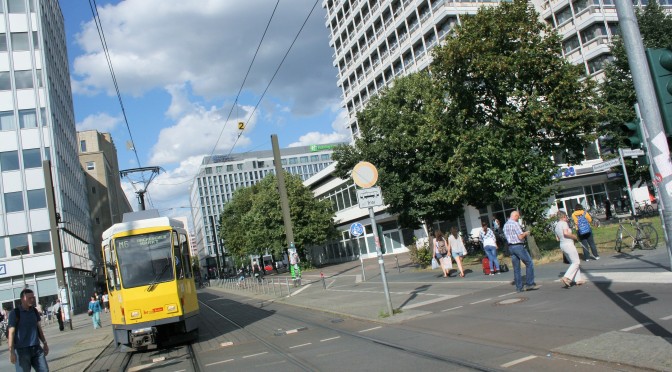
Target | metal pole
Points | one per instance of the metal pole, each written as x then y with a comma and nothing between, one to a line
214,237
627,182
282,188
23,271
381,263
646,97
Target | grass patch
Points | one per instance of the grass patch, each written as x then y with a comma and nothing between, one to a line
385,314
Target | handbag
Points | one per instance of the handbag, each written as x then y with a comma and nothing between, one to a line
435,264
90,312
503,268
447,262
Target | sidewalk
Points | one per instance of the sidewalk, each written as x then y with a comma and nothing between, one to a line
70,350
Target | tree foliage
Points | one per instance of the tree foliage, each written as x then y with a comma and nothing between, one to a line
484,126
252,221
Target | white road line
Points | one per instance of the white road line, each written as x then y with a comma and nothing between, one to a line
442,298
220,362
300,290
507,294
452,308
634,327
478,302
295,346
225,344
329,339
518,361
666,317
253,355
370,329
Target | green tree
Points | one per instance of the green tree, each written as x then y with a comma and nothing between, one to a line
400,133
517,104
252,221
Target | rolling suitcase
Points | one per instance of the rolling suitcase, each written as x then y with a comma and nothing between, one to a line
486,266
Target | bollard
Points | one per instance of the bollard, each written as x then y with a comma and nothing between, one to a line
273,284
324,284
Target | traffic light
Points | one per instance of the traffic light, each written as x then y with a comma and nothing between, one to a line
660,65
633,134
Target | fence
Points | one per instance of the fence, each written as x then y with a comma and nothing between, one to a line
278,287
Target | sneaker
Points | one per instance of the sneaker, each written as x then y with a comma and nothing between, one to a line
491,274
532,287
497,272
597,258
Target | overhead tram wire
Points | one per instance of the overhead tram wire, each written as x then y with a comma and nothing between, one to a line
101,34
274,74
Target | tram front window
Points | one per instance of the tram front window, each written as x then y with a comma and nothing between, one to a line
145,259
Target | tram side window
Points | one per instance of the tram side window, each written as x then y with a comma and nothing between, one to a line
111,268
186,256
179,267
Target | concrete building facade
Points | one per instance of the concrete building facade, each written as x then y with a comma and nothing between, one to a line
36,124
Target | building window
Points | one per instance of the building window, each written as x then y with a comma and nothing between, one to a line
596,64
37,199
82,146
90,165
3,42
7,120
19,244
41,242
208,170
303,159
93,190
5,83
292,160
3,248
13,202
27,118
16,6
23,79
570,44
20,41
97,220
229,168
314,158
239,166
36,41
218,169
9,161
326,157
32,158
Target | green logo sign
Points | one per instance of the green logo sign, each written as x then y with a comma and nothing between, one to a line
315,148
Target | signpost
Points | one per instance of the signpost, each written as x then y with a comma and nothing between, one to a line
365,176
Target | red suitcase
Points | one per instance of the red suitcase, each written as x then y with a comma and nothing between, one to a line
486,266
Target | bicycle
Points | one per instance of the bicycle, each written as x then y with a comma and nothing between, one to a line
644,209
645,235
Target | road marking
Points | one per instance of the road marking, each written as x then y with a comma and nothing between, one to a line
518,361
370,329
253,355
329,339
452,308
300,290
507,294
634,327
478,302
220,362
295,346
358,278
225,344
159,359
442,298
666,318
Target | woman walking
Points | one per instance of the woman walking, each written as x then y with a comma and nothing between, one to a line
564,235
457,249
94,311
489,241
442,252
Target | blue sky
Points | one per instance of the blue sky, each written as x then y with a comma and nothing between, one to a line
179,66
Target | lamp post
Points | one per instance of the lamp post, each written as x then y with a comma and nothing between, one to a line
23,271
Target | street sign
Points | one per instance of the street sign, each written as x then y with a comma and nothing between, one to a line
371,197
632,153
365,174
606,165
356,229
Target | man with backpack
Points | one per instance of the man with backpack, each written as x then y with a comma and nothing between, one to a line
24,336
583,221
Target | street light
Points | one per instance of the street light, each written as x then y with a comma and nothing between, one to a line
23,271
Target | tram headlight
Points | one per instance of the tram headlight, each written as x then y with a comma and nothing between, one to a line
171,308
135,314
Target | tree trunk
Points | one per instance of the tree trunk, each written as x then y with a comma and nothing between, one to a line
534,248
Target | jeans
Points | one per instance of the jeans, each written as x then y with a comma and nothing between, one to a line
31,356
588,241
519,253
491,252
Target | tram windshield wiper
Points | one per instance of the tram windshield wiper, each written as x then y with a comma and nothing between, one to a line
152,285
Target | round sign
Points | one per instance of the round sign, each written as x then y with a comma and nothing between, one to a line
356,229
365,174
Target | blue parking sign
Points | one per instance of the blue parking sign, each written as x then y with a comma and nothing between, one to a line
356,229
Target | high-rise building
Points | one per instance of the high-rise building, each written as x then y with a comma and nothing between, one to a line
219,176
107,201
37,123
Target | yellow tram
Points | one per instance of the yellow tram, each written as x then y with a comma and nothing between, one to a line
150,280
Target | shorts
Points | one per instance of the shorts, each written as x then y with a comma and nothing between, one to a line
457,254
439,256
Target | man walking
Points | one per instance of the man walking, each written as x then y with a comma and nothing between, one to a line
58,313
515,236
25,334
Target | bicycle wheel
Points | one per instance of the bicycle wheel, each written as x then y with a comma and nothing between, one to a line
649,211
619,240
648,237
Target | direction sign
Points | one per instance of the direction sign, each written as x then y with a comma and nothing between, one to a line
633,153
365,174
606,165
356,229
371,197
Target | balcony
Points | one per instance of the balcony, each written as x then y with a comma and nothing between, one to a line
437,4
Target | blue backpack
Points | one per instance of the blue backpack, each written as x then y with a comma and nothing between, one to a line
583,226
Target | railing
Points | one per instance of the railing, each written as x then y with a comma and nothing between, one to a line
278,287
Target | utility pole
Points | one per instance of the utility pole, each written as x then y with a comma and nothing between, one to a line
282,188
656,139
214,238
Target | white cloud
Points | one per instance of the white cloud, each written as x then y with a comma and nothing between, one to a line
160,43
101,122
198,130
340,133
